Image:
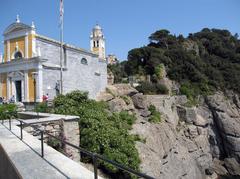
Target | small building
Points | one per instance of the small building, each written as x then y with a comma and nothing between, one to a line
31,65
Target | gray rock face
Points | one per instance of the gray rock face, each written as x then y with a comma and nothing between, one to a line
188,142
173,148
226,116
233,166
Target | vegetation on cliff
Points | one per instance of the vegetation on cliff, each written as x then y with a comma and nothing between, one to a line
203,62
102,132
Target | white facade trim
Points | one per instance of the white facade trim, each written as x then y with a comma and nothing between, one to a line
21,64
26,98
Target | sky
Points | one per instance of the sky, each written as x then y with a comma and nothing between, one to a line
127,24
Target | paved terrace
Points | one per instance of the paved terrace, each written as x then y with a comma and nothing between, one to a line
25,156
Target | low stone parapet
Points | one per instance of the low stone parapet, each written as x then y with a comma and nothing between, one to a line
64,127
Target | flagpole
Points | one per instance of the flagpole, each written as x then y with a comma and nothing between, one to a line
61,50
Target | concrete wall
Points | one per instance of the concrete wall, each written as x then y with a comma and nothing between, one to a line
7,168
91,77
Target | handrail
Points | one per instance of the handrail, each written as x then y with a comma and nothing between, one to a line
95,157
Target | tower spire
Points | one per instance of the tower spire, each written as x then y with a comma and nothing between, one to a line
17,19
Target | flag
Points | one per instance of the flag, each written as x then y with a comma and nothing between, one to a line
61,12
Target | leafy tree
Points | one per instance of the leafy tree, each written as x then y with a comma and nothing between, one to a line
215,67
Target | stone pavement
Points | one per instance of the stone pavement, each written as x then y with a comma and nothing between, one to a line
25,155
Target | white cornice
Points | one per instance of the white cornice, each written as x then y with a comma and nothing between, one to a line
21,64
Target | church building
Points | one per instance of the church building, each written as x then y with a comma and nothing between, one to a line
30,67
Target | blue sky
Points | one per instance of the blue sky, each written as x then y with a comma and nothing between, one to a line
126,23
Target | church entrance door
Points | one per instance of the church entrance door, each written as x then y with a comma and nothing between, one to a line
18,85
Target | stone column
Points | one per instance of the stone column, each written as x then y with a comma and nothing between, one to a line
39,84
13,91
8,88
26,93
23,90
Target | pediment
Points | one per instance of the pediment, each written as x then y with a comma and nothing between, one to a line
16,27
16,74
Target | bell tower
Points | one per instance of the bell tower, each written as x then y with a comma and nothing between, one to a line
97,41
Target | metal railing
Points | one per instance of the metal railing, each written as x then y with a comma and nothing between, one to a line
95,157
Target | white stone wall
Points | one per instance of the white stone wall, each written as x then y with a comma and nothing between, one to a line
77,76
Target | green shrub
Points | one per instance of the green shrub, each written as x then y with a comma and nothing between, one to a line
101,132
42,107
159,71
155,115
192,92
152,88
147,88
161,89
8,111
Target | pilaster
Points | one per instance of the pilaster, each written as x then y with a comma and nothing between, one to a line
26,92
26,46
8,51
39,84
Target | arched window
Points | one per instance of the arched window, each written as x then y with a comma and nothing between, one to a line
18,55
84,61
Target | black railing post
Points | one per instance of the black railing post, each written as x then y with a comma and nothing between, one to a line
21,128
2,121
42,149
10,124
94,158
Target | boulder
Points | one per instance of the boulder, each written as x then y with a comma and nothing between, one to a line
139,101
104,96
145,113
112,90
200,121
117,105
187,114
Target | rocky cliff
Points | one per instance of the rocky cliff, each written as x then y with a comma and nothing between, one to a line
189,142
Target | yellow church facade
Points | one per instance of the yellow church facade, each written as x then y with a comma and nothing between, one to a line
18,44
30,67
